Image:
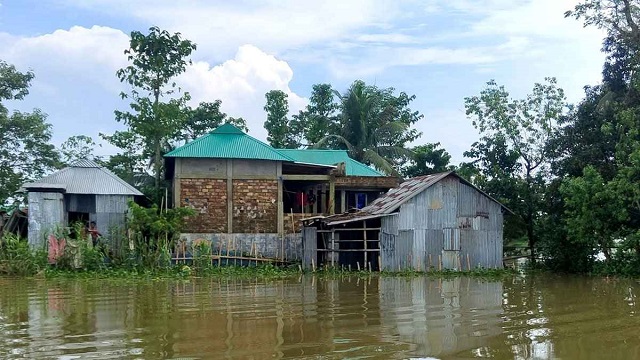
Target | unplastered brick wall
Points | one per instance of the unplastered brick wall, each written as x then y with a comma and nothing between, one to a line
255,206
208,197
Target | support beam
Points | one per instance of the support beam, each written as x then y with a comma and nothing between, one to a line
332,196
343,201
229,196
323,205
306,177
176,183
280,201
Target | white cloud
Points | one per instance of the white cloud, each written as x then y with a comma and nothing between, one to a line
241,83
76,83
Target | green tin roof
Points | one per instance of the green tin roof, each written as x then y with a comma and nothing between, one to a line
228,142
330,157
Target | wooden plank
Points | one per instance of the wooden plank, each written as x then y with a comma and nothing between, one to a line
306,177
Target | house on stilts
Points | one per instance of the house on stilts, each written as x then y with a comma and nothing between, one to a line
432,222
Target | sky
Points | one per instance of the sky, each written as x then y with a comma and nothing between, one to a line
439,50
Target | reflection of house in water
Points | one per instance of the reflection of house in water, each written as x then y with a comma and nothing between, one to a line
441,317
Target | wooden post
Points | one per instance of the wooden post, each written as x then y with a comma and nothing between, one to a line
343,201
333,249
440,262
430,262
229,197
332,195
280,216
379,262
468,262
364,226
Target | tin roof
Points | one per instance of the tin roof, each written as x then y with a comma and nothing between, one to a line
228,142
85,177
394,198
330,157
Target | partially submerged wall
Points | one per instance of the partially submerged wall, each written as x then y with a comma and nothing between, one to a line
265,245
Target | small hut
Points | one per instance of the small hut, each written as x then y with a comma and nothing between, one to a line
438,221
84,192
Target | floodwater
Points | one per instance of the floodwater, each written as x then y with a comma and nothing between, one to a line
524,317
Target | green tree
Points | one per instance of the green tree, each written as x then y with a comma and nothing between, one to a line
525,127
279,127
375,126
427,159
129,164
76,148
25,150
157,58
206,117
321,116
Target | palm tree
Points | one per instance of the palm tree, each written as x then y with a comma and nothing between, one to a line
371,129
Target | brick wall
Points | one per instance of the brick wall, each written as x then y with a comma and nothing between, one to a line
208,197
255,206
378,182
297,219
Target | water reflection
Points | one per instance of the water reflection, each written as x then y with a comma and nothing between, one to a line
306,317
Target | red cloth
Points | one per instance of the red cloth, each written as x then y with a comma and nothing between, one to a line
301,199
56,248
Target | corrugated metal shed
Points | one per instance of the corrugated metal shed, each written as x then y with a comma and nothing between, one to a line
85,177
392,200
330,157
228,142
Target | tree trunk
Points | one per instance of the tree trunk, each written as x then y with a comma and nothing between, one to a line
156,166
529,218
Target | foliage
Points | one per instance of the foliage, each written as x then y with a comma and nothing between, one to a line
156,58
427,159
205,118
278,124
320,117
17,258
375,125
155,232
76,148
25,150
517,131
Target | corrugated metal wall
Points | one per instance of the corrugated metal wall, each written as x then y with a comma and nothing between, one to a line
110,212
448,216
46,212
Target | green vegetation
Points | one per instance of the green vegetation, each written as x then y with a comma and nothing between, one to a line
569,172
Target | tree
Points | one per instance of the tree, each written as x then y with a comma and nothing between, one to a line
280,134
427,159
320,117
156,59
25,150
76,148
375,125
524,127
205,118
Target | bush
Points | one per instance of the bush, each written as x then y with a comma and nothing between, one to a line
17,258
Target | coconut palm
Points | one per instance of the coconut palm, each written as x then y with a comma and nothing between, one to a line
375,126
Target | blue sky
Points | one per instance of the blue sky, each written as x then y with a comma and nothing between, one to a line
439,50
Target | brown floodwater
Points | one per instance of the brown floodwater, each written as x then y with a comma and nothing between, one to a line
524,317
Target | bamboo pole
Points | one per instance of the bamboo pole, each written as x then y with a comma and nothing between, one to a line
379,263
430,261
468,263
358,263
440,262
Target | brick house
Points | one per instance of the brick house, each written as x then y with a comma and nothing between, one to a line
240,185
